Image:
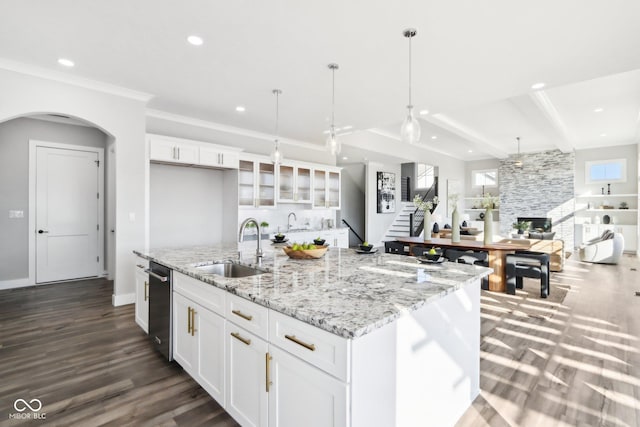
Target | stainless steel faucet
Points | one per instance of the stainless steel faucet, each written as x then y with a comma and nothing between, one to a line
289,220
259,252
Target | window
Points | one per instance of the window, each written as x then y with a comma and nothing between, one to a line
484,178
606,171
424,175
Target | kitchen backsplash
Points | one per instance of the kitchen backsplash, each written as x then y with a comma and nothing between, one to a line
277,218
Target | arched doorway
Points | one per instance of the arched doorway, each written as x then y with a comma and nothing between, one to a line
19,137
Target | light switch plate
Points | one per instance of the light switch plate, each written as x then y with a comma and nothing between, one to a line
16,214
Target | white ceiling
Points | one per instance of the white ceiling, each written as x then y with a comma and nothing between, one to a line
473,65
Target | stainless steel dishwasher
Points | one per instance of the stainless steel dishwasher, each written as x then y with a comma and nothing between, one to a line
160,308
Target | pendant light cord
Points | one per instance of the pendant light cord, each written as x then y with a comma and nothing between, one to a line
333,98
410,37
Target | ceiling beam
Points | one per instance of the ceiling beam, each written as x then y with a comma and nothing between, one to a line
478,142
396,137
567,141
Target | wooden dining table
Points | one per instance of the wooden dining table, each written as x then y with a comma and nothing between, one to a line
497,254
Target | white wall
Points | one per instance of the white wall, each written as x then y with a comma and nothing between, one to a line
353,199
185,206
119,116
629,152
14,183
377,223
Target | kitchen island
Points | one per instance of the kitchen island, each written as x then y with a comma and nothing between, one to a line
348,339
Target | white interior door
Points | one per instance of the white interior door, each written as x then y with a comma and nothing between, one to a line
67,214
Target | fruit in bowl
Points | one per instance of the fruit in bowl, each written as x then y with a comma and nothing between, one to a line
433,254
365,246
318,241
279,237
305,250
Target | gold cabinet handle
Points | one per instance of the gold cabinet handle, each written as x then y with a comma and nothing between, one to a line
193,321
293,338
188,320
268,358
146,290
237,336
241,314
140,266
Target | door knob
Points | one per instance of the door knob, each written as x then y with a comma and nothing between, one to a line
42,231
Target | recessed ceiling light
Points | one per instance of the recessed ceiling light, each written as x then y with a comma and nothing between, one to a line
424,112
240,109
66,62
470,151
434,137
345,158
347,127
537,86
598,110
603,134
195,40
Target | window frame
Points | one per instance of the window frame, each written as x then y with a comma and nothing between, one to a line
483,171
590,163
433,168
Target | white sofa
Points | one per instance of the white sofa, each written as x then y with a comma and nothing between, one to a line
606,249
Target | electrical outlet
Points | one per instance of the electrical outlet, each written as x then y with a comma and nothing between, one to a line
16,214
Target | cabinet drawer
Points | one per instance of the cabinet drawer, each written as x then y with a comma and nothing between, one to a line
204,294
320,348
141,264
248,315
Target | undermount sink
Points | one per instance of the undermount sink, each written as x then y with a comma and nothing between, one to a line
228,269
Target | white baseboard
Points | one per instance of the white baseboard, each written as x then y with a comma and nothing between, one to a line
123,299
16,283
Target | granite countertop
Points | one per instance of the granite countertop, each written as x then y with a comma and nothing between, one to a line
344,292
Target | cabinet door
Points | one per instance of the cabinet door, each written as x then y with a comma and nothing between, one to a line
286,183
209,334
162,150
266,185
212,156
302,185
187,153
333,190
142,296
246,184
246,369
319,189
303,395
184,344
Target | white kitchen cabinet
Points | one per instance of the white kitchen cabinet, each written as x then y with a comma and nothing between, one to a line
326,188
303,395
247,360
294,183
172,150
199,344
335,237
142,294
217,157
256,183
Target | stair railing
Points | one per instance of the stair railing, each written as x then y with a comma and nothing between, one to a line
353,231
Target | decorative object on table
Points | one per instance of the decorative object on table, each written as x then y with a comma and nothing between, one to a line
521,226
455,218
298,251
488,203
606,219
410,130
436,228
279,238
318,241
453,195
465,224
608,188
365,246
427,206
386,192
624,205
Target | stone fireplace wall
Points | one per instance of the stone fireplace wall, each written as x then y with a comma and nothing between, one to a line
543,187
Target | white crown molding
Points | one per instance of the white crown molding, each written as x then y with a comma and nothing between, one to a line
481,144
219,127
543,102
82,82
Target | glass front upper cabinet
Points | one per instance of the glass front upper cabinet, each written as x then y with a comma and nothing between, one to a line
294,184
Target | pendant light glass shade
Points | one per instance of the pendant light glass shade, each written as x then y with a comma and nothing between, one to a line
518,163
333,143
410,130
276,155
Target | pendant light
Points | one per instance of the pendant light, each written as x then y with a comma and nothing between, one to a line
333,144
410,130
518,162
276,155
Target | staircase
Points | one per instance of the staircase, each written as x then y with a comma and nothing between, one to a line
400,225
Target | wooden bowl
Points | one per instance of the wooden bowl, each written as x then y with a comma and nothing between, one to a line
306,253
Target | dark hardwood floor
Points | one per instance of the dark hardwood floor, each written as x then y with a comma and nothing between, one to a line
570,360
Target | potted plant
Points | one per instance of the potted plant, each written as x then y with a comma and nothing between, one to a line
521,226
